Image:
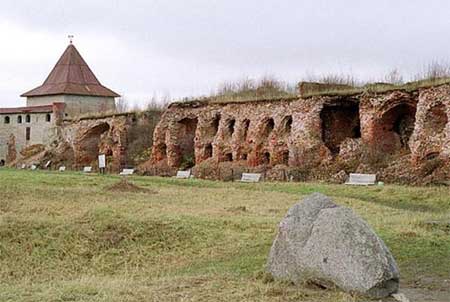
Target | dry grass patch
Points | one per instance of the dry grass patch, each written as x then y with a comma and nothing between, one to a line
63,237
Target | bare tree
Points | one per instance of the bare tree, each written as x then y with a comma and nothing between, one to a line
122,105
394,77
434,70
158,103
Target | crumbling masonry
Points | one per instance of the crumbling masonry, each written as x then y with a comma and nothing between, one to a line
402,135
77,143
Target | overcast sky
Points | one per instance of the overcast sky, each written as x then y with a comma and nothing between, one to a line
187,47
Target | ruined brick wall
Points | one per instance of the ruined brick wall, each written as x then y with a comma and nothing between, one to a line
321,135
431,137
84,140
78,142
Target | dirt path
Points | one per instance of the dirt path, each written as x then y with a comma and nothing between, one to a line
427,290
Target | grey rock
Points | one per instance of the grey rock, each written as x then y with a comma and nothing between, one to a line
329,245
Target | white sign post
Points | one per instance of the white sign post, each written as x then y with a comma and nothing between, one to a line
102,163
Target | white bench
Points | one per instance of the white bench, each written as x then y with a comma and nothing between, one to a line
87,169
184,174
23,166
33,167
62,169
251,177
361,179
126,172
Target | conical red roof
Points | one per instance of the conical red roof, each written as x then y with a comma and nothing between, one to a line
71,75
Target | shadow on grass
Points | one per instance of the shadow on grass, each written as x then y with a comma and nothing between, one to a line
399,205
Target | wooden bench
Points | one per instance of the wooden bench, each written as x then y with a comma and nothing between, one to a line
87,169
251,177
361,179
183,174
62,169
126,172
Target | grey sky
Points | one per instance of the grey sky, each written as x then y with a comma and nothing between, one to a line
188,47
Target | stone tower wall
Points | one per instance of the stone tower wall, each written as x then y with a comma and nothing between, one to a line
76,105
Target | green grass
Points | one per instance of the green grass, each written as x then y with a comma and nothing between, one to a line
65,237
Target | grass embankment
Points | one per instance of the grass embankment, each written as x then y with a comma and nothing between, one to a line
327,90
67,237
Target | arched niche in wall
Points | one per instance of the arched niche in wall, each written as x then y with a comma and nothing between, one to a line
230,127
212,127
339,121
285,157
266,158
187,128
161,151
286,125
245,127
228,156
88,144
208,151
395,127
267,127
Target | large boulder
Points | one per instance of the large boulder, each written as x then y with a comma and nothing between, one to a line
321,242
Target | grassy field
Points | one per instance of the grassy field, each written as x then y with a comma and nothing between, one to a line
71,237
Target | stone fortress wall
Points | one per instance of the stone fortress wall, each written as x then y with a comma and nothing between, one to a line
71,90
25,127
37,124
403,136
73,143
77,142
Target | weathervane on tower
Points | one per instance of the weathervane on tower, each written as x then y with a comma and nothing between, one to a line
70,38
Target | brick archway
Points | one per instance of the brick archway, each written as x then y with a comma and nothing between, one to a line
394,127
339,121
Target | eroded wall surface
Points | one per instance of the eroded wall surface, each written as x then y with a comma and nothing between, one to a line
392,134
82,141
79,142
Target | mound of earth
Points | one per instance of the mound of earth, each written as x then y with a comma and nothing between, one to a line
125,186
